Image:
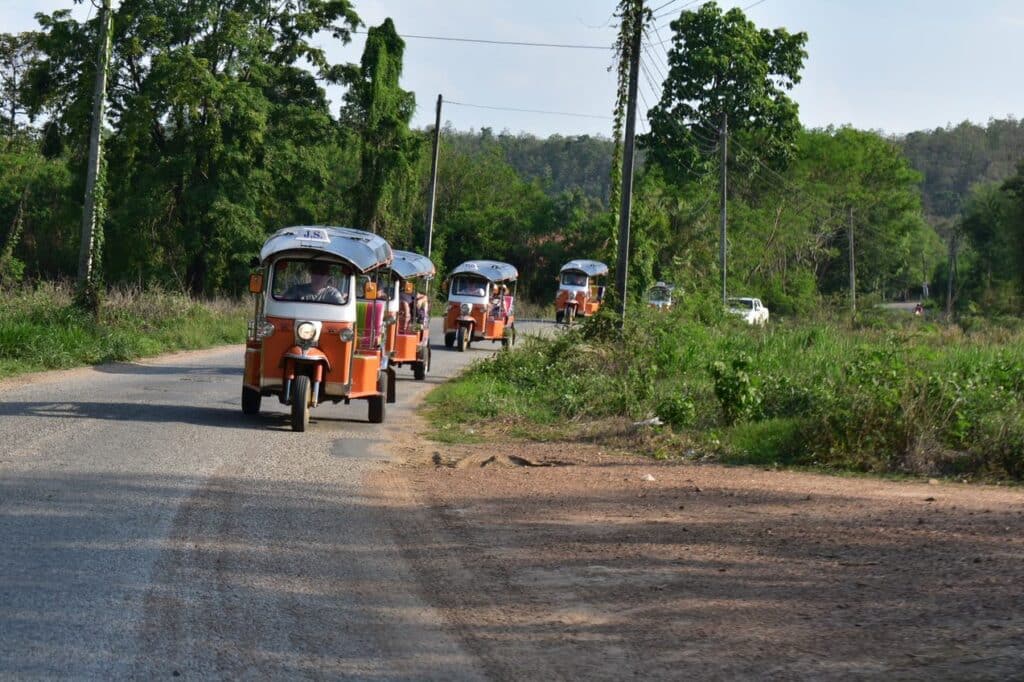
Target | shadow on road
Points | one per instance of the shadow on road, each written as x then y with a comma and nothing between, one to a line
164,370
133,412
255,578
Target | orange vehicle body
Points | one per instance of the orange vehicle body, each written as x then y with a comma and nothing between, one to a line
481,304
587,304
313,341
580,293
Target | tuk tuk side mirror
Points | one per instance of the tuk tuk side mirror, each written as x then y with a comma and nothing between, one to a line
255,283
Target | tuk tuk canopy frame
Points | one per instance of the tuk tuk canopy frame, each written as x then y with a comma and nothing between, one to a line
590,268
493,271
363,250
408,265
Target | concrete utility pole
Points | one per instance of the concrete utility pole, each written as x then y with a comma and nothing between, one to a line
626,203
953,238
89,219
853,264
722,208
433,178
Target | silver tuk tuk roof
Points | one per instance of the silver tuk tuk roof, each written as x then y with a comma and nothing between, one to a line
492,270
363,250
590,268
408,264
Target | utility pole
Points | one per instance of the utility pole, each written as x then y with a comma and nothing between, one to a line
853,264
950,275
722,208
90,219
626,203
433,178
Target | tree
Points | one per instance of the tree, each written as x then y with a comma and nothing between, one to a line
379,111
220,127
722,65
16,54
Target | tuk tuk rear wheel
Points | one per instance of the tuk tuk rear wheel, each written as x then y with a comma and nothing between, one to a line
558,317
449,339
391,377
250,401
300,403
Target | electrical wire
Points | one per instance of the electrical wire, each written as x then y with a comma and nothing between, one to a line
528,111
665,14
515,43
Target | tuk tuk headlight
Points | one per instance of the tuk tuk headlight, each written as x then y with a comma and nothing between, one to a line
466,309
305,331
346,335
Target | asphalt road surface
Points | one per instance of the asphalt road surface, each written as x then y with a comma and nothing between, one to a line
149,529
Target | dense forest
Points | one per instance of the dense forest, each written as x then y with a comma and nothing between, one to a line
219,131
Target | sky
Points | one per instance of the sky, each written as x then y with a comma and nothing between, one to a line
890,65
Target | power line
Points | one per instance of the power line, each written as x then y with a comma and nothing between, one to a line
654,61
663,6
528,111
665,14
501,42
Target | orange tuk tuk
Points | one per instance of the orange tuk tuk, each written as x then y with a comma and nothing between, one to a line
481,298
311,338
408,339
579,290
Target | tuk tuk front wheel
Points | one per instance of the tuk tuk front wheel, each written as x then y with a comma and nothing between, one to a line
462,339
420,368
300,403
250,401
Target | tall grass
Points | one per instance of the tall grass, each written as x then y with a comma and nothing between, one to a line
40,328
887,393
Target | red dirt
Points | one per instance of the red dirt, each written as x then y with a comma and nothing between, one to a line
605,566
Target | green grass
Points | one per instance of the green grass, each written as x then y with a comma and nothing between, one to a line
41,329
885,393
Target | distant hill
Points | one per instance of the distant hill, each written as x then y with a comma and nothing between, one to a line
955,158
574,163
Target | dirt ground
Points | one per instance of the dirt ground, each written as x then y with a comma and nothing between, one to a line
556,561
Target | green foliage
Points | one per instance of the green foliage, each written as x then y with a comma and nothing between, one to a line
739,398
378,112
722,65
899,395
43,328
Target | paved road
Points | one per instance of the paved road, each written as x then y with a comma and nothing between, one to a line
148,529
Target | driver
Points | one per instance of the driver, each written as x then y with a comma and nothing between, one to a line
318,289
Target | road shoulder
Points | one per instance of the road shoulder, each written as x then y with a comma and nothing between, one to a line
577,562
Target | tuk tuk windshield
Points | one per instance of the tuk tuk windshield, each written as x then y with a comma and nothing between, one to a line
313,281
659,295
574,279
468,286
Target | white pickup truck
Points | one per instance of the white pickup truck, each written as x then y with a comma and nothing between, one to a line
750,309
